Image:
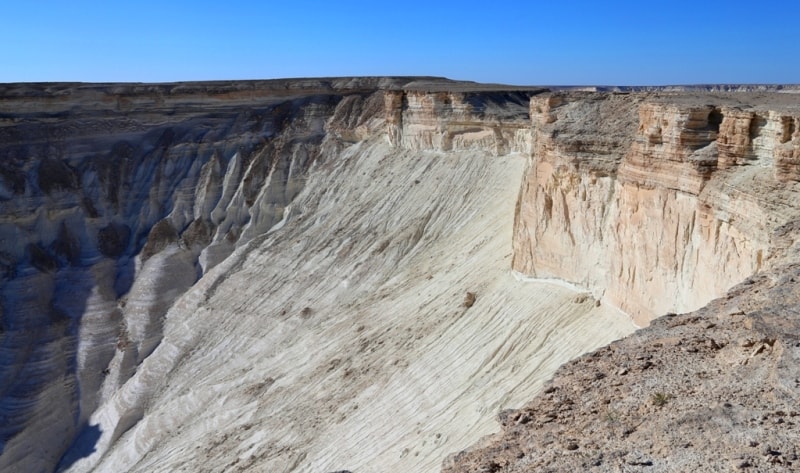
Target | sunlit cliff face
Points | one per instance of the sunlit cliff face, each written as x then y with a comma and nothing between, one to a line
656,209
263,271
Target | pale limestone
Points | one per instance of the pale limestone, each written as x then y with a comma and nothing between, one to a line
298,271
639,213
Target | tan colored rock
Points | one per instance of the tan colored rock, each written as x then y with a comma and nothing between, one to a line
692,219
641,213
458,121
274,276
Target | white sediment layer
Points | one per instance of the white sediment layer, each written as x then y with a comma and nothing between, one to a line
340,340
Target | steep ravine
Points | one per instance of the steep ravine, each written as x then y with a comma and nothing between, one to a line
257,275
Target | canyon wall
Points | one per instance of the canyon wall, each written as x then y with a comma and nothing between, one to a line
652,205
662,204
123,209
494,122
647,200
114,201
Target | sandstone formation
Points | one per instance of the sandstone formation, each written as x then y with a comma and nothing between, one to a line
273,275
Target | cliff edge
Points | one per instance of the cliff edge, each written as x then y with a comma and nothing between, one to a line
660,203
359,273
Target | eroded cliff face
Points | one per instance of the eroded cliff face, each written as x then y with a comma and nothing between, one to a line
656,207
167,271
494,122
114,201
661,203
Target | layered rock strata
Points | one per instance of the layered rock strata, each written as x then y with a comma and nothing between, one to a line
114,200
495,122
167,271
662,214
654,206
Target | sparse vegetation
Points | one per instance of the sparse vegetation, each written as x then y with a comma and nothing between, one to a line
660,399
612,416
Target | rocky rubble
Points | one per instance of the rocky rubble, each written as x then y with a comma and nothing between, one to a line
712,390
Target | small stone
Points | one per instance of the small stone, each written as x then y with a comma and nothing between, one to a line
469,299
523,419
637,458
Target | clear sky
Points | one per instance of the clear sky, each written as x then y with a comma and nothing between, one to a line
509,41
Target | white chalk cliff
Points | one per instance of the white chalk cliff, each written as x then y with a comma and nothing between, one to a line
349,274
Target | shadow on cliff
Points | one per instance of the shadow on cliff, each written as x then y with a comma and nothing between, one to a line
80,202
83,446
39,350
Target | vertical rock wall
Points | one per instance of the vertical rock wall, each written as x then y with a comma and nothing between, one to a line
494,122
657,214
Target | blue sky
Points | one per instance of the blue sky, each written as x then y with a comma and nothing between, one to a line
517,42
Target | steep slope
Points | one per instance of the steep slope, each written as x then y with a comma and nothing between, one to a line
341,341
318,275
115,199
664,214
712,390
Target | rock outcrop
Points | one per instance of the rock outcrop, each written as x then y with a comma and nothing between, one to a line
655,206
662,215
422,118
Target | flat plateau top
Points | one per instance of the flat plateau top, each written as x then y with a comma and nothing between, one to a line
422,83
773,97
